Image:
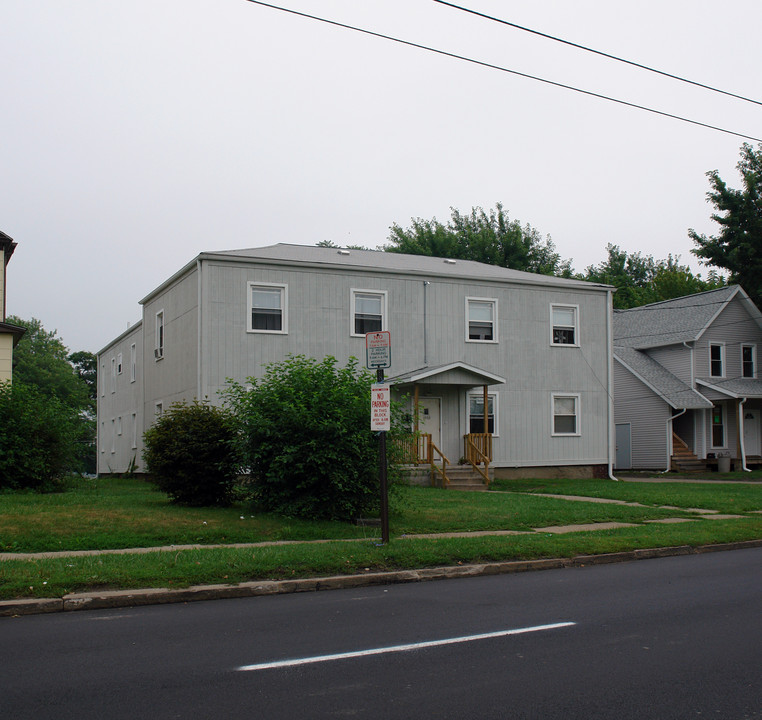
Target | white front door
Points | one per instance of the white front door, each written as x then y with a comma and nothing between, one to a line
751,436
429,412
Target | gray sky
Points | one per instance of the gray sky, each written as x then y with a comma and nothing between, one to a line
134,135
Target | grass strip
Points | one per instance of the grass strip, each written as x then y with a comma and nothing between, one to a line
726,498
57,577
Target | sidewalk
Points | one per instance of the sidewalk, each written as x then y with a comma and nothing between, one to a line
151,596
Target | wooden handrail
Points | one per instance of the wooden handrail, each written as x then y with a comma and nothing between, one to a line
432,450
419,449
476,455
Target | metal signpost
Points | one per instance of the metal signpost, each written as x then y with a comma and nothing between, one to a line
378,355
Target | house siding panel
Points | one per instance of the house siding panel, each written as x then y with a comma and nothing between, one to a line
318,307
647,413
126,399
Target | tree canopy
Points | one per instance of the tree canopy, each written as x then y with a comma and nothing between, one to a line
488,237
41,360
640,279
737,248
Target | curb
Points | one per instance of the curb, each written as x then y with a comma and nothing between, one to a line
159,596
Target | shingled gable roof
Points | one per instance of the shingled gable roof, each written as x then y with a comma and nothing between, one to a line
675,321
667,386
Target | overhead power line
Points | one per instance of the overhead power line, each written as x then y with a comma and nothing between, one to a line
492,66
598,52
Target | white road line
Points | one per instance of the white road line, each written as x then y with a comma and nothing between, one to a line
401,648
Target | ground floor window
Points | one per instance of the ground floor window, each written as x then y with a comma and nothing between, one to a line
476,413
718,426
565,414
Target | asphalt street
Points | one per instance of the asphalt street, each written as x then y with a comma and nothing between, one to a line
677,637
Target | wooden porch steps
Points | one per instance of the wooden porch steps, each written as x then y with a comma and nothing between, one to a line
683,459
463,477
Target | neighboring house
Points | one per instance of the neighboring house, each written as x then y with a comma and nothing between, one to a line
9,334
537,347
686,381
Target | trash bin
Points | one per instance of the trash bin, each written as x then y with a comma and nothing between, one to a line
723,464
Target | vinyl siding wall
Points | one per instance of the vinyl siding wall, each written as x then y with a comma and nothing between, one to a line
115,449
319,324
647,413
174,378
733,327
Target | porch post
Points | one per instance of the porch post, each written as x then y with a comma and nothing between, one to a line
486,413
415,408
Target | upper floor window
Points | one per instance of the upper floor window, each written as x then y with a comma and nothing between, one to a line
564,325
158,350
565,414
133,362
368,311
748,361
481,319
717,360
267,308
113,375
476,413
119,364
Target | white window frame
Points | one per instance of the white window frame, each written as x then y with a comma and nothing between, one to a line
482,300
119,425
119,363
494,397
113,436
577,418
134,430
753,349
283,307
353,293
133,362
103,437
160,336
113,375
103,380
574,328
723,425
158,408
720,345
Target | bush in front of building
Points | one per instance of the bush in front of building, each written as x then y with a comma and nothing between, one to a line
305,431
38,438
192,455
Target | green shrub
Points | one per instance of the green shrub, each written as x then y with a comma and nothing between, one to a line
191,454
38,438
305,430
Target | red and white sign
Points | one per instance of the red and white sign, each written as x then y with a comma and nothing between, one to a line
378,349
380,408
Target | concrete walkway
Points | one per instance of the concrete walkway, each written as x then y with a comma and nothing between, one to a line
150,596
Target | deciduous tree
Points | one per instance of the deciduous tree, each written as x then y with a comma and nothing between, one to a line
737,248
488,237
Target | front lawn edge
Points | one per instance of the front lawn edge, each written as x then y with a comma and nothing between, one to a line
96,600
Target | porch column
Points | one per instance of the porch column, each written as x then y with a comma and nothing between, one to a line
486,413
415,407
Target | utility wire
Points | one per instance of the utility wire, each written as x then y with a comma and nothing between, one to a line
481,63
598,52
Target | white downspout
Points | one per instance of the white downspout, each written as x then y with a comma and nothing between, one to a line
610,382
668,427
740,435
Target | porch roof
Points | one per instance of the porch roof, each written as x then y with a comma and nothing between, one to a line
676,393
455,373
734,387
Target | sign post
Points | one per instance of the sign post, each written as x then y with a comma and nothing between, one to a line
378,355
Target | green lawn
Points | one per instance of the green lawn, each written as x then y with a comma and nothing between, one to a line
128,513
